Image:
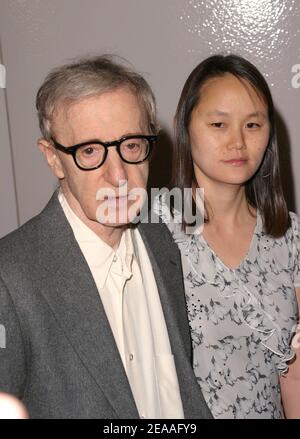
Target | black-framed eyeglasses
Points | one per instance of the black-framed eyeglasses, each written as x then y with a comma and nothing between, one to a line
92,154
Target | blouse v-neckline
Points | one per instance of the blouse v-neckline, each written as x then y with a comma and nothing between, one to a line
257,229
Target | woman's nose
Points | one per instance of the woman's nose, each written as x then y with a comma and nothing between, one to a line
237,139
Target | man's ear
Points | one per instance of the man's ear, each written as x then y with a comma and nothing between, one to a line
52,157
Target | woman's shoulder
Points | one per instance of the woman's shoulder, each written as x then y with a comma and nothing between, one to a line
292,235
170,214
295,221
162,209
162,206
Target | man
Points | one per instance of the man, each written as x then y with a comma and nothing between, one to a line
93,307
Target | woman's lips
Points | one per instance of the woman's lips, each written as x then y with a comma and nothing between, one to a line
235,162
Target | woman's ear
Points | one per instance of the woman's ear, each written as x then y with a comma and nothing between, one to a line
52,157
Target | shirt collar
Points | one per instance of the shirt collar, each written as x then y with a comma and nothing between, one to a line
98,254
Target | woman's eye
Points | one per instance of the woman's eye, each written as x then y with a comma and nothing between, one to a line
252,125
217,124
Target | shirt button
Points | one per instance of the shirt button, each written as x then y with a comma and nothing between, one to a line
115,258
131,357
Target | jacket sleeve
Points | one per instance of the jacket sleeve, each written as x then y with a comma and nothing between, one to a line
12,356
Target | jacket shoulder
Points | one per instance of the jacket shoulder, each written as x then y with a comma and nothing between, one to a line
23,242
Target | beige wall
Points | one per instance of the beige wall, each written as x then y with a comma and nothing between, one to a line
8,201
164,39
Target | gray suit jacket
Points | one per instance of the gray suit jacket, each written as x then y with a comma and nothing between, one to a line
60,357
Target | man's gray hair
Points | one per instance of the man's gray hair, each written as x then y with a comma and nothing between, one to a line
89,77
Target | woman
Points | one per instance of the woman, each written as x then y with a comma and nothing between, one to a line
242,273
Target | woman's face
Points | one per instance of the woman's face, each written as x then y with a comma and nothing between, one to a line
229,132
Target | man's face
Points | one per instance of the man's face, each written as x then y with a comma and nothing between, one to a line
106,117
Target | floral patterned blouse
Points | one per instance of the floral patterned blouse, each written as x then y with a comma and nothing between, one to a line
242,320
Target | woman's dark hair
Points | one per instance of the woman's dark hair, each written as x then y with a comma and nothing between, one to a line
264,189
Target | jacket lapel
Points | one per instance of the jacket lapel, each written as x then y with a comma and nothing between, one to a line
68,286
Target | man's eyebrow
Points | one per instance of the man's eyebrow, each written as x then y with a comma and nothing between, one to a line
134,133
127,134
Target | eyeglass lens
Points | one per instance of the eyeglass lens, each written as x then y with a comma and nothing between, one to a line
132,150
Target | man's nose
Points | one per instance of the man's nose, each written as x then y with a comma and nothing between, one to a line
115,167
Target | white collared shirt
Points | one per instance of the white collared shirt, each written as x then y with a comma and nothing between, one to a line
128,291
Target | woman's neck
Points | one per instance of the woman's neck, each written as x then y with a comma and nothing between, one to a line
231,224
227,205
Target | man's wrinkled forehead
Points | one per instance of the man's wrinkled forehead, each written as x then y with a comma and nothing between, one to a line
64,108
93,113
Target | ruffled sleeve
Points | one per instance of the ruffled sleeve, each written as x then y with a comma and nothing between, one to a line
295,220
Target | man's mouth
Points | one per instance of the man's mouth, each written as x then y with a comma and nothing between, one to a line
115,200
